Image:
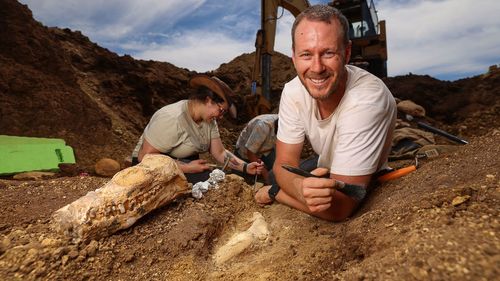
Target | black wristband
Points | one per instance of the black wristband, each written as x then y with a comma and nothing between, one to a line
273,191
245,167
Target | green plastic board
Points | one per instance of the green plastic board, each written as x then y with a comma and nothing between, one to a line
22,154
8,140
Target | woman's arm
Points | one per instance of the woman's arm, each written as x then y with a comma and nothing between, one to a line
222,155
146,148
195,166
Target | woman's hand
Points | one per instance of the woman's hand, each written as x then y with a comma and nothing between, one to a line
254,168
195,166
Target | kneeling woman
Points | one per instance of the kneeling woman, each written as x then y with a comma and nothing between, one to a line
185,129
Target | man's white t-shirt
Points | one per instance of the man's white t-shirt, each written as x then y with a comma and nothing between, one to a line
356,139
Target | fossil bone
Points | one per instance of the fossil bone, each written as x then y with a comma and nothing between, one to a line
129,195
259,230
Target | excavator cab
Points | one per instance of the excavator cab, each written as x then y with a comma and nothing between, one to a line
369,48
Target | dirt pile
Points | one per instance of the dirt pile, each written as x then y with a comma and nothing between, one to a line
465,106
56,83
438,223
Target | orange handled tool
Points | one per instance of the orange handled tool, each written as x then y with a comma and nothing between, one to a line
397,173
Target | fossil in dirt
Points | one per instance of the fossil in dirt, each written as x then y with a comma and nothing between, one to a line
259,230
129,195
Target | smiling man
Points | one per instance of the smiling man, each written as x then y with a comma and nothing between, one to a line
347,114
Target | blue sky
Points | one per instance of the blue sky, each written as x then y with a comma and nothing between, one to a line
447,39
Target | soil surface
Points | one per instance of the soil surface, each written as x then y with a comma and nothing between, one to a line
440,222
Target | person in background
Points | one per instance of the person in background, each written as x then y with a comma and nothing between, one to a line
257,141
185,129
347,114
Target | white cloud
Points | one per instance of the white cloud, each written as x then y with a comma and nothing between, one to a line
112,19
199,50
441,38
283,42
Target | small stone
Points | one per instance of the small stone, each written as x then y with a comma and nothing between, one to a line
73,254
49,242
92,248
459,200
5,244
30,257
419,273
64,260
83,253
39,270
107,167
411,108
69,169
33,176
234,177
129,257
80,258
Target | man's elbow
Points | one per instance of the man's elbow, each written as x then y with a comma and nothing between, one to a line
338,212
334,217
342,216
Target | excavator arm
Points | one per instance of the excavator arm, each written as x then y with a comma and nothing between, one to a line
258,101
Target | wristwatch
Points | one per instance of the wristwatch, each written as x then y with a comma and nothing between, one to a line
273,191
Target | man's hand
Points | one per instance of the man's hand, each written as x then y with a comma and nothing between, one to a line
318,193
320,172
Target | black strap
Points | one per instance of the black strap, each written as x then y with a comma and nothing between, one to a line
273,191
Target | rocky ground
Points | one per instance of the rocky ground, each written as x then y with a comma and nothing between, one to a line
437,223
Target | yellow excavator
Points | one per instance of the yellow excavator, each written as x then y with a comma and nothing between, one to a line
368,36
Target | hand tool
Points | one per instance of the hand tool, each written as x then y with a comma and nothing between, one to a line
442,133
354,191
395,174
213,166
256,175
226,163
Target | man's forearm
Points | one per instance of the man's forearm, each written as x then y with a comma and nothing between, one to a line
291,194
288,182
